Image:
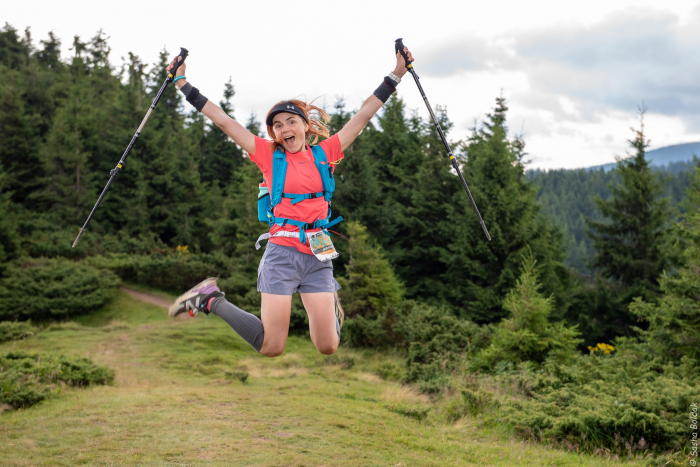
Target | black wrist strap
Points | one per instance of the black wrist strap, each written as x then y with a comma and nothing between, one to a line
194,97
386,89
186,89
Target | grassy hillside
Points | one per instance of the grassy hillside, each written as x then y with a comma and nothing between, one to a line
178,399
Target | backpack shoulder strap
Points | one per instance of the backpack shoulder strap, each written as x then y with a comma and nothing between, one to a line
326,171
279,174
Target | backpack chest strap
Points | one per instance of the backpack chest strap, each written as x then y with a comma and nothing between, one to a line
301,197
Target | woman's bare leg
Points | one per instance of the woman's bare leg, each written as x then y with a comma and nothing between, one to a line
322,322
275,312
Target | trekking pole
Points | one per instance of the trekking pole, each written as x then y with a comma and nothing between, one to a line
399,49
115,171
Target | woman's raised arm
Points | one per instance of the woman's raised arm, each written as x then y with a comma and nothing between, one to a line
373,103
237,132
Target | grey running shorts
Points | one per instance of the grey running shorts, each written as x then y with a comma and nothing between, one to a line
284,270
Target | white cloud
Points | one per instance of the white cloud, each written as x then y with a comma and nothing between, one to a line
573,72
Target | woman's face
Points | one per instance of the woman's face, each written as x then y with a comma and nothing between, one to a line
290,131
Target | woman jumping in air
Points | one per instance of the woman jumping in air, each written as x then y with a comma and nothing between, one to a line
295,202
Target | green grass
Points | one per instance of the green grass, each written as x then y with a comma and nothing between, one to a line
178,400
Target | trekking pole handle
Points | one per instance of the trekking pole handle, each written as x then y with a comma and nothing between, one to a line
183,53
398,46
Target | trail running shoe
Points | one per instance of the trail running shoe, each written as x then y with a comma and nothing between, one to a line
196,299
339,313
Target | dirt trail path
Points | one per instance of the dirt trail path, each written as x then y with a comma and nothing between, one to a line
145,297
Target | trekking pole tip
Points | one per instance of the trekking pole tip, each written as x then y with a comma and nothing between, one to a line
77,239
483,226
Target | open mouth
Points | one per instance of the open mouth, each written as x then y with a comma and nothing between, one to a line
289,141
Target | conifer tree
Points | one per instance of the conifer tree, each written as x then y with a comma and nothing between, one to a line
253,125
174,191
674,321
18,150
358,195
73,140
479,273
14,52
527,334
220,156
428,216
369,284
630,244
8,234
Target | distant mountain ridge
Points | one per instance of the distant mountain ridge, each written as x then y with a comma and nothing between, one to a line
664,156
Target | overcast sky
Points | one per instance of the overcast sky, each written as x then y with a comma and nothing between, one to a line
574,73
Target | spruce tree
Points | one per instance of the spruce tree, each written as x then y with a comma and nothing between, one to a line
427,242
630,244
253,125
674,321
19,147
358,194
20,121
479,273
173,190
8,232
220,156
14,52
527,334
369,284
73,140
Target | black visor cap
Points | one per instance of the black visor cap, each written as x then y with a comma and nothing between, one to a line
289,108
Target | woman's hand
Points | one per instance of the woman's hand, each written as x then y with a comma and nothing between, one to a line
180,71
401,69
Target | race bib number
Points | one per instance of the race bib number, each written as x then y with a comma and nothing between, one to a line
321,245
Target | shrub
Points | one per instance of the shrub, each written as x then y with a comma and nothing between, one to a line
439,344
469,401
619,402
14,330
54,288
387,328
169,271
27,379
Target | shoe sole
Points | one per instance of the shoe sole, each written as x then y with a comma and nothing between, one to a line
175,307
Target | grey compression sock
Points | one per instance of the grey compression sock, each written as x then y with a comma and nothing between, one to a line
248,326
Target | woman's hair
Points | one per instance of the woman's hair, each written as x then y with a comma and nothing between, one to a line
316,117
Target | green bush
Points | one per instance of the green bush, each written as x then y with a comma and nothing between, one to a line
27,379
171,272
53,288
621,402
527,335
469,401
439,344
15,330
387,328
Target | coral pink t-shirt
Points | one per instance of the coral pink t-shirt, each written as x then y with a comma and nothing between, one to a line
302,177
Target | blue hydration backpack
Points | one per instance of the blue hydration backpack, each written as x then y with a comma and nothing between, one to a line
268,201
